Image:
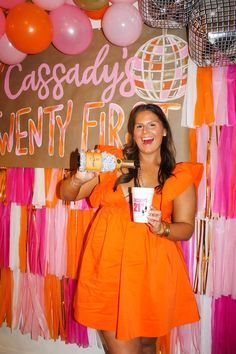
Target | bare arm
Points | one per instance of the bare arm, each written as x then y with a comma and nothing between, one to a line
183,217
78,186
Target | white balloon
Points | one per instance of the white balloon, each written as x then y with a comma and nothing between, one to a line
9,54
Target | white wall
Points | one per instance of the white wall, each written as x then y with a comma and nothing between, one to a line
17,343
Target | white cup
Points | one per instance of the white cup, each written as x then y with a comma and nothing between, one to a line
141,203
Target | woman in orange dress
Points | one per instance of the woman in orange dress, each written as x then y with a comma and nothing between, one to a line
133,284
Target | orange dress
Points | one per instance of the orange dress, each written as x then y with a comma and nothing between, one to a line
132,281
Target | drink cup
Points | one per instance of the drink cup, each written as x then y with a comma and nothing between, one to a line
141,203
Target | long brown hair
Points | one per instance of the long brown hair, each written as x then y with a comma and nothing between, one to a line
131,151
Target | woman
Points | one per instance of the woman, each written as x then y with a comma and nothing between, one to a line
133,284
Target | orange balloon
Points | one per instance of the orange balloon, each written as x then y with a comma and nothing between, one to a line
97,14
29,28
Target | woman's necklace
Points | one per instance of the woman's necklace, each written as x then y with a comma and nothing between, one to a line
140,178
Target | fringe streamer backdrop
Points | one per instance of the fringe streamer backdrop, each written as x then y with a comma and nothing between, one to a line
41,238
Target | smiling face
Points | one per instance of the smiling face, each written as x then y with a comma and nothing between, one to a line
148,132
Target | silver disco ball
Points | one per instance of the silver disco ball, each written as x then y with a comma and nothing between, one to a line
212,33
165,14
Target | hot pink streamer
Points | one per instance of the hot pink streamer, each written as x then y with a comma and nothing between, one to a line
224,183
19,187
231,94
40,225
76,333
5,210
223,326
85,204
232,195
11,185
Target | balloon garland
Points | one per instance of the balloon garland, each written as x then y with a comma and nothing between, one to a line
29,27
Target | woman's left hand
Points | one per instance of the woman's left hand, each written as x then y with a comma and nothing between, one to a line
155,220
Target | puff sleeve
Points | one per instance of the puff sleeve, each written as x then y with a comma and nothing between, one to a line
184,175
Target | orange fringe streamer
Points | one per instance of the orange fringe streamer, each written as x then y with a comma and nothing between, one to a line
193,145
204,108
3,178
23,239
54,306
6,283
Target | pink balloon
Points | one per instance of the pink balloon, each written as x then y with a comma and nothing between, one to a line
72,29
2,23
122,24
126,1
9,4
9,54
49,4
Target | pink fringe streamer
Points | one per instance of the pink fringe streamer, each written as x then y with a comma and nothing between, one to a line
225,191
36,241
5,210
223,326
188,252
231,94
29,314
76,333
223,262
19,187
219,86
55,240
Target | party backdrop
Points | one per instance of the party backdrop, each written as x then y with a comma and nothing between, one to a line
53,104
